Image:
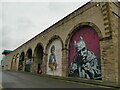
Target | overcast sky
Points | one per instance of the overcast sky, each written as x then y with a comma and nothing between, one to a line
21,20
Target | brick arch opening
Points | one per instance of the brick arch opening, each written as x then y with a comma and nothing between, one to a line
28,61
54,37
21,64
38,58
54,56
16,61
12,63
29,53
87,37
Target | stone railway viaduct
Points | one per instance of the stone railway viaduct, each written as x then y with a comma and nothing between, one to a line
102,17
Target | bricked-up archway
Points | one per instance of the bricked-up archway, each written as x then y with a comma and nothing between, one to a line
84,36
28,62
21,62
38,58
54,45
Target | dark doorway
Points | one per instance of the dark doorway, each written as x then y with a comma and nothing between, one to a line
28,61
21,62
38,58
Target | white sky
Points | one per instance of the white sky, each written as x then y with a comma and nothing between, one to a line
21,20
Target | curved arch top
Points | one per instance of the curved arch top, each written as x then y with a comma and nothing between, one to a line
36,47
38,44
90,24
22,54
17,56
29,53
54,37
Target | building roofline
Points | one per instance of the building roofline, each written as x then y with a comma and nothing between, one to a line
6,52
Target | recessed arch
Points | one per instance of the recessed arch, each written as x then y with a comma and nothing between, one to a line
29,53
21,61
84,48
28,61
16,57
90,24
12,62
38,57
51,40
54,56
16,61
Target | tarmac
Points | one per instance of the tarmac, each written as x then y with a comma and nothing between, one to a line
79,80
86,81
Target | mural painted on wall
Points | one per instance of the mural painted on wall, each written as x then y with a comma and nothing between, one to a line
84,54
52,59
54,64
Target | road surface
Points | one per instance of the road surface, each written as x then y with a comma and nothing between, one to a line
26,80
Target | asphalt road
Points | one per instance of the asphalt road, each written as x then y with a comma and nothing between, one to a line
26,80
